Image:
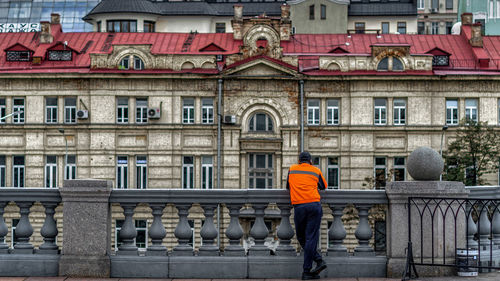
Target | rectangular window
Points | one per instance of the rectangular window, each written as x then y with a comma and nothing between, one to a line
207,168
311,12
449,4
399,112
191,238
70,167
141,111
435,6
498,8
141,239
332,112
14,239
332,173
471,109
380,112
323,12
313,112
122,172
207,111
141,165
60,55
452,112
402,27
51,171
3,111
149,26
260,170
491,10
18,56
380,173
385,28
18,107
51,110
188,111
316,161
435,27
121,26
122,111
449,26
18,171
399,169
421,27
359,27
2,171
99,26
187,172
69,110
420,4
220,27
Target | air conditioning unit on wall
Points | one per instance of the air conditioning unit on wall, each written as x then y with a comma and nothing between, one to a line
230,119
154,113
82,114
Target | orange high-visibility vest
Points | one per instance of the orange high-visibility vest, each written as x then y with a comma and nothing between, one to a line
303,182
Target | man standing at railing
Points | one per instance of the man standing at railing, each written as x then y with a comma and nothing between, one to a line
303,181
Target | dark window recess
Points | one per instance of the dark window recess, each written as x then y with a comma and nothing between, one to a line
122,26
99,26
311,12
220,27
149,26
402,27
359,27
397,65
323,12
449,4
440,61
18,55
385,28
421,27
60,55
380,240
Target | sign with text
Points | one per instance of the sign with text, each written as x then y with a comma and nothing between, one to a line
19,27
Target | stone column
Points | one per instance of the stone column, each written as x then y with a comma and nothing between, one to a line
87,228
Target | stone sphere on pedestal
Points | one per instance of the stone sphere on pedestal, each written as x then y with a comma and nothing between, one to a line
425,164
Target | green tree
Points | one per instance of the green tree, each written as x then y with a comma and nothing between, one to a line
473,153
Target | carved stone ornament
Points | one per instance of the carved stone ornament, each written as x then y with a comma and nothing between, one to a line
257,32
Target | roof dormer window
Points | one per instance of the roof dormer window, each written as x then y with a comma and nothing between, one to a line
390,64
441,60
18,55
138,64
65,55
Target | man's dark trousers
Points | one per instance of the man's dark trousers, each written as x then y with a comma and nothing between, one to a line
307,219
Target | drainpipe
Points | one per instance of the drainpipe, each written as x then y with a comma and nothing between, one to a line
219,134
301,89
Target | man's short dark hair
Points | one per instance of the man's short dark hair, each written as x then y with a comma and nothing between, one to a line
305,157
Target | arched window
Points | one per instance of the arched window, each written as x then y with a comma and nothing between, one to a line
397,65
260,122
138,64
390,64
383,64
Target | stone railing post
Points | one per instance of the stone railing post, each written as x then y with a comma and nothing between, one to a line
49,230
183,232
4,247
208,232
157,231
337,232
234,232
24,230
471,227
128,231
363,232
87,228
484,227
285,232
259,232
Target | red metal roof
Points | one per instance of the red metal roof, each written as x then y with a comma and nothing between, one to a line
308,47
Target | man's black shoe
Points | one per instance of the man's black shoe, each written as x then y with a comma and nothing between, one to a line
309,276
320,266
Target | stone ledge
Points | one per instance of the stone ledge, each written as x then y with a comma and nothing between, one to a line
29,265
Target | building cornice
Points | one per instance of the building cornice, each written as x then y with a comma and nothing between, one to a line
341,2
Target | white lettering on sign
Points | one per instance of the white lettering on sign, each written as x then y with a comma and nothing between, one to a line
19,27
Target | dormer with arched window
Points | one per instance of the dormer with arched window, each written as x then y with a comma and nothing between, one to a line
260,122
131,62
390,63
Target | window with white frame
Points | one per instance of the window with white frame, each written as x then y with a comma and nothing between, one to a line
141,165
188,111
260,170
399,169
260,122
420,4
51,171
332,173
18,106
380,112
3,110
140,240
471,109
122,110
51,110
498,8
18,171
69,110
141,111
70,167
187,172
2,171
122,172
207,111
435,27
380,172
491,12
207,168
332,112
452,112
313,112
138,63
399,112
124,63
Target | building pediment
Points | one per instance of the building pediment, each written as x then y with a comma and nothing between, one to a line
261,66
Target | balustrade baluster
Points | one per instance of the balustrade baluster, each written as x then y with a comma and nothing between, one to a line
495,221
4,247
208,232
49,230
234,232
484,227
471,228
24,230
183,232
337,233
157,231
259,232
285,232
363,232
128,231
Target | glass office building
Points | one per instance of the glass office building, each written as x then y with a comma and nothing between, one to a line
16,15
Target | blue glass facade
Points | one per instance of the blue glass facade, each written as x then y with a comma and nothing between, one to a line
34,11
